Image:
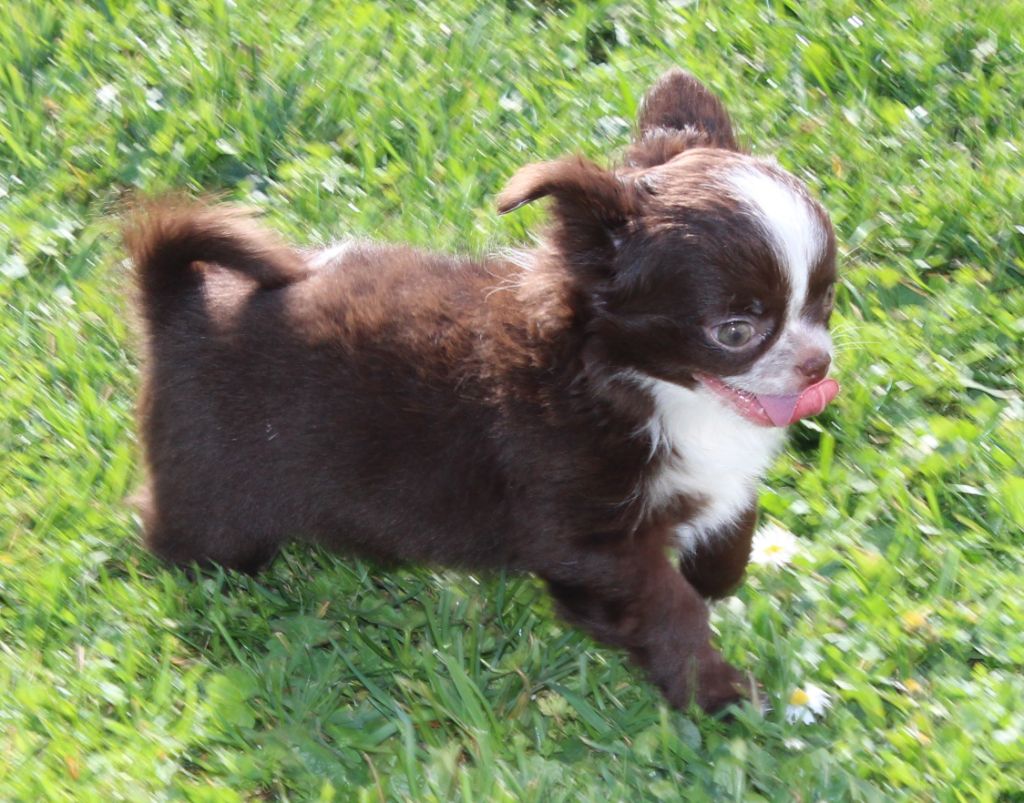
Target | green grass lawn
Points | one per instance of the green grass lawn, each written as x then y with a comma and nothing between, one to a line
328,678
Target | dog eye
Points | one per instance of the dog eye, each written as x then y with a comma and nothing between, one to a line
830,297
734,334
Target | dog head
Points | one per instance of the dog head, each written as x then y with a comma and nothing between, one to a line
697,263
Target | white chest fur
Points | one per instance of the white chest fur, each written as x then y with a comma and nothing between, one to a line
712,453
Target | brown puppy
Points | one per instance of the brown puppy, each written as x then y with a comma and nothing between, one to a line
575,411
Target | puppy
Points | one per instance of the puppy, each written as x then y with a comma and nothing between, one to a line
579,411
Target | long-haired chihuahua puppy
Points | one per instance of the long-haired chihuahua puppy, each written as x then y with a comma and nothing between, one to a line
585,411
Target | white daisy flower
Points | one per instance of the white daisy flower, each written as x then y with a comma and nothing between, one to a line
807,704
14,267
773,546
63,295
106,95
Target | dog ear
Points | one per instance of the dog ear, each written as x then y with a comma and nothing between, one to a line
593,208
679,113
584,194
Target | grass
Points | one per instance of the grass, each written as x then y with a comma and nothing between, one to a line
328,678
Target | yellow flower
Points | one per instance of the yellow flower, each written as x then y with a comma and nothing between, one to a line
915,620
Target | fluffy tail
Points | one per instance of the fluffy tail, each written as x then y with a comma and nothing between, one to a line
165,239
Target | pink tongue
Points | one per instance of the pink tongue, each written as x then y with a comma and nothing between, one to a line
785,410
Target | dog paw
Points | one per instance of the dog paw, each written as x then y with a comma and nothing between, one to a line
723,685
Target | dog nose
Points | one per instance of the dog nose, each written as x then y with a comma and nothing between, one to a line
815,365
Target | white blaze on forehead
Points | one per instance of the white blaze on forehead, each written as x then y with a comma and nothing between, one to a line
789,219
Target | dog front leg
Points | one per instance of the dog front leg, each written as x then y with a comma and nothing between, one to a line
715,564
635,599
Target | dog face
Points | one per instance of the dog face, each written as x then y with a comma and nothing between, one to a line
700,264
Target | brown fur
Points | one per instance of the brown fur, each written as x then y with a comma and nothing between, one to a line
405,405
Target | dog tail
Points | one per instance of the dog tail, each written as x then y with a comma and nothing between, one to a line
165,239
